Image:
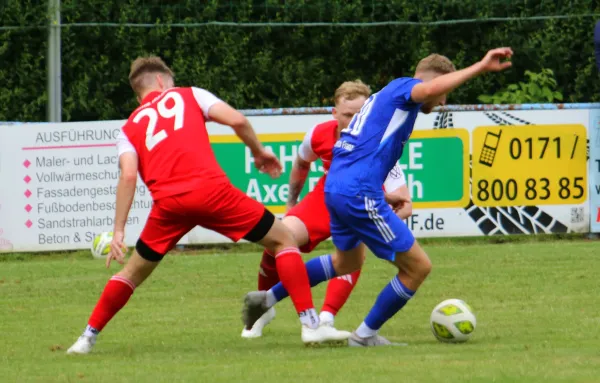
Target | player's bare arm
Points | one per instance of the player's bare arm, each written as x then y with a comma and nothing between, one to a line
223,113
439,86
128,163
298,177
264,160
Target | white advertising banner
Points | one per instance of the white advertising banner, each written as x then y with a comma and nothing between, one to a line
469,172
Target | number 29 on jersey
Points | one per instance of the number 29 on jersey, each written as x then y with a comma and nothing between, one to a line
157,116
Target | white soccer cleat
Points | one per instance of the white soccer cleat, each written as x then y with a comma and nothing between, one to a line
325,333
256,330
83,345
371,341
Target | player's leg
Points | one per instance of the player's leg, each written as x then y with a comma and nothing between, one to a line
238,216
309,223
323,268
268,276
347,259
389,238
160,235
337,294
413,267
289,266
312,210
255,303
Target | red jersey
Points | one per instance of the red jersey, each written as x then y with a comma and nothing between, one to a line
318,143
168,133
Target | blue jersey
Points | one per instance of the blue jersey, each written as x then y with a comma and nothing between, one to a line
372,144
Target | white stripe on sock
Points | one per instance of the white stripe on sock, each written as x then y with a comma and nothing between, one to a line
399,289
325,265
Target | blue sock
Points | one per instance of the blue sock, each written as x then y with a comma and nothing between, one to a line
391,299
319,269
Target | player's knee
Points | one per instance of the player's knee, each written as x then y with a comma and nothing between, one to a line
420,268
347,263
279,237
298,229
424,268
415,264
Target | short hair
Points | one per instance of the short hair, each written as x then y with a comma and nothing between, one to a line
436,63
141,67
351,90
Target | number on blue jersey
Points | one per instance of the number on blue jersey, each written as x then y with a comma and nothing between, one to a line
358,121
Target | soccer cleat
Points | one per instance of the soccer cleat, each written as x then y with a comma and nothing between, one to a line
83,345
256,330
255,306
372,341
324,334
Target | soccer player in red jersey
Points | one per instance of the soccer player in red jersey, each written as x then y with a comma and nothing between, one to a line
309,219
166,141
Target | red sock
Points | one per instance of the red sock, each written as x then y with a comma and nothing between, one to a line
267,275
113,298
338,291
294,278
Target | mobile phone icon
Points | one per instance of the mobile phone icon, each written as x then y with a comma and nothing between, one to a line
490,145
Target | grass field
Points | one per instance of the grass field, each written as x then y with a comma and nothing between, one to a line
536,305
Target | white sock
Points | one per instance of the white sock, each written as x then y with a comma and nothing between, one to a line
365,331
326,316
90,332
271,300
309,318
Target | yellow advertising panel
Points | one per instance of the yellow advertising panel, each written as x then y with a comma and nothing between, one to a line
529,165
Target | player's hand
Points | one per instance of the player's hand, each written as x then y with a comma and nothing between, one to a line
268,162
492,60
396,200
117,249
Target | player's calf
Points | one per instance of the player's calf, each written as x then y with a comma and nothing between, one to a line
292,273
267,272
115,295
413,267
338,292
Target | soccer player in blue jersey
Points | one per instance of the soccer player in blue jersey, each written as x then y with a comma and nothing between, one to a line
361,214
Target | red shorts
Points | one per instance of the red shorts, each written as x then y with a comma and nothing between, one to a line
311,210
225,209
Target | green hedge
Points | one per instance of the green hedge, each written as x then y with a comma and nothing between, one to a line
280,67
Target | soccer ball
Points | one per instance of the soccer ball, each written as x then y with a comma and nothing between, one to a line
101,244
453,321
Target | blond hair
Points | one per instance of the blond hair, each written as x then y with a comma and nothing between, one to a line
436,63
351,90
142,67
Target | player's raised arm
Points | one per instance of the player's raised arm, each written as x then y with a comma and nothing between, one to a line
428,91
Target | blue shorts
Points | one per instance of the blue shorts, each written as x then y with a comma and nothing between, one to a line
369,220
